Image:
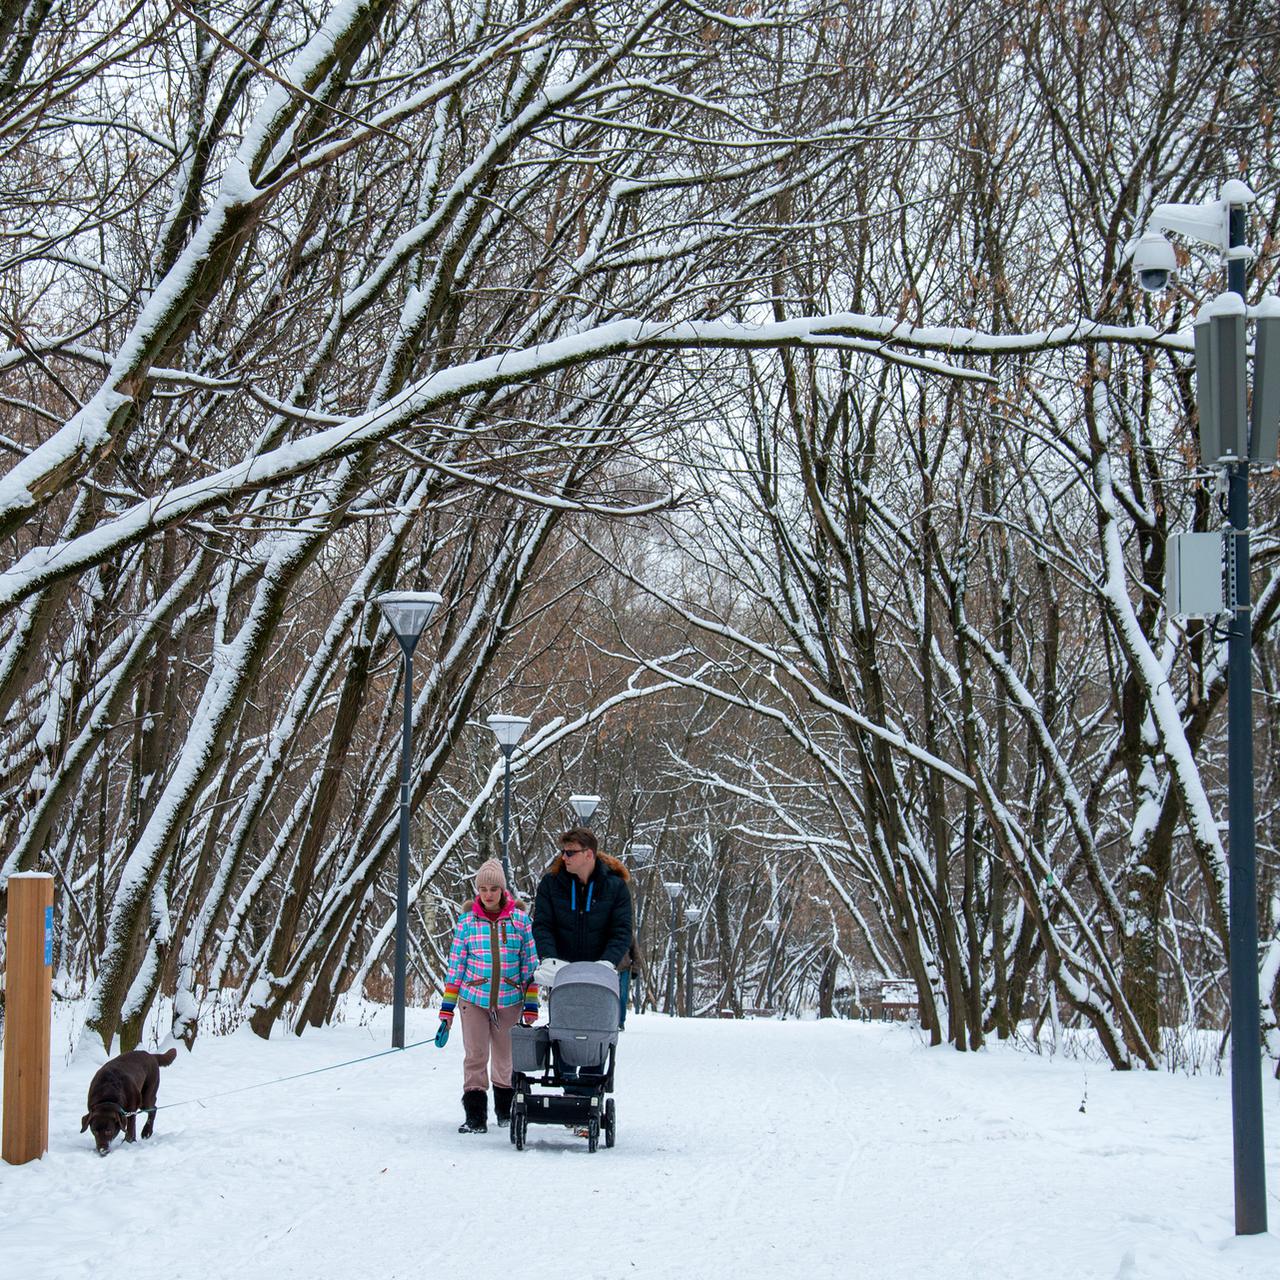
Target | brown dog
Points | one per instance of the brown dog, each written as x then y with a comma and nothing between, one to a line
119,1090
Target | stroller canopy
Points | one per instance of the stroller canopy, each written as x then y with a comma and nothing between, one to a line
584,1013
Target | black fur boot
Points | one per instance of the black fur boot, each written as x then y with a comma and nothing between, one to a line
502,1105
475,1103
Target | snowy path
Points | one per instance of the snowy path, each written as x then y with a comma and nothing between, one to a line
745,1150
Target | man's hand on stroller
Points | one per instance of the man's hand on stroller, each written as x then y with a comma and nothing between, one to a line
545,974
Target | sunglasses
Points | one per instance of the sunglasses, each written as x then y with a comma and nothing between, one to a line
568,853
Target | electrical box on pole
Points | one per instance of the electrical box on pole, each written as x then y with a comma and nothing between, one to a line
1220,380
1265,414
1206,401
1193,575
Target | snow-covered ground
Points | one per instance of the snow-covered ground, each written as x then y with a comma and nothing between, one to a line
747,1149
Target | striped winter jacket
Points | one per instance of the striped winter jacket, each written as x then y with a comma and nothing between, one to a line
491,962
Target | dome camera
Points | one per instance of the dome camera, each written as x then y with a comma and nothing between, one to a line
1154,262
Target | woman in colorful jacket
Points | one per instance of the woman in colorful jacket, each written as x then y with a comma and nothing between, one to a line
490,976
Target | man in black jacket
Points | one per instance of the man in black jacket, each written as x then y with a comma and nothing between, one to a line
583,908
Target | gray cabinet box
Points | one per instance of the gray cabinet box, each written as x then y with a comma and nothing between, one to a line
530,1049
1193,575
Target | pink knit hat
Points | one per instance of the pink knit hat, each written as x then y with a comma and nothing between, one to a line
491,873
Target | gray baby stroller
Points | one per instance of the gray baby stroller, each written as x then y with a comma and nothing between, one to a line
573,1052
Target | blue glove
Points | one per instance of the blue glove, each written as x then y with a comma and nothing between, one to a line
442,1036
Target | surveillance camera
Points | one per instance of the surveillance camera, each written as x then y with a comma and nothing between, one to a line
1154,262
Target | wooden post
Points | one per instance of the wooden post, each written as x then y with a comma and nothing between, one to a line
28,993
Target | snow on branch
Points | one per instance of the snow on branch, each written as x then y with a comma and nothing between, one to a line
45,564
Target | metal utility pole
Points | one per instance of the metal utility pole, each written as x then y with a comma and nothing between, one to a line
1246,1031
1231,439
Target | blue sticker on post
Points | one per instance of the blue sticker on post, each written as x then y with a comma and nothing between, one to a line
48,935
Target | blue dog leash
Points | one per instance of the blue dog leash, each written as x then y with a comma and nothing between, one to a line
301,1075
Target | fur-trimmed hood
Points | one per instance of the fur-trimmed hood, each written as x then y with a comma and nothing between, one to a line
616,865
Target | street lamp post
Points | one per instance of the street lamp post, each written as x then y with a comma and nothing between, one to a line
674,888
640,857
508,730
691,917
408,613
771,924
1226,441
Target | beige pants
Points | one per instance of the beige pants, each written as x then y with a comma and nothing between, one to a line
486,1044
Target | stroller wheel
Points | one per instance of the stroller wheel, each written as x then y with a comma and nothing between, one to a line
593,1133
610,1124
519,1127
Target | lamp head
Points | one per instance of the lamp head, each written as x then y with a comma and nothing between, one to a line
408,612
674,889
583,807
508,730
